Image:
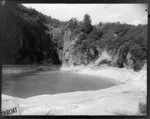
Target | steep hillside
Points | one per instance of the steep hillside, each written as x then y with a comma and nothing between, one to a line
26,36
30,37
114,44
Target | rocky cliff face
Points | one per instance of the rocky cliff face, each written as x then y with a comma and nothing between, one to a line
72,56
68,49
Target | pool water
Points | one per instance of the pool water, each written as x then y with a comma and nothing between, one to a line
51,82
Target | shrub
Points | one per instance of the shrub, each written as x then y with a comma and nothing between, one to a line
142,108
138,65
105,61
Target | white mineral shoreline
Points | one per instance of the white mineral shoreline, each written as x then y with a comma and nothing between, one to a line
113,73
123,99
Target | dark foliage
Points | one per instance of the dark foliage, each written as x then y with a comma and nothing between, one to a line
86,26
24,37
116,37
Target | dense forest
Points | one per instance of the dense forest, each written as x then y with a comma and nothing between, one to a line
29,37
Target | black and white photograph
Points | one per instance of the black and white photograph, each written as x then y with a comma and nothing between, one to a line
74,59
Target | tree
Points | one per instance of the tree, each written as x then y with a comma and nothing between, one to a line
87,26
72,24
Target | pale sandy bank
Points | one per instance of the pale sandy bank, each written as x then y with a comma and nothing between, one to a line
123,99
